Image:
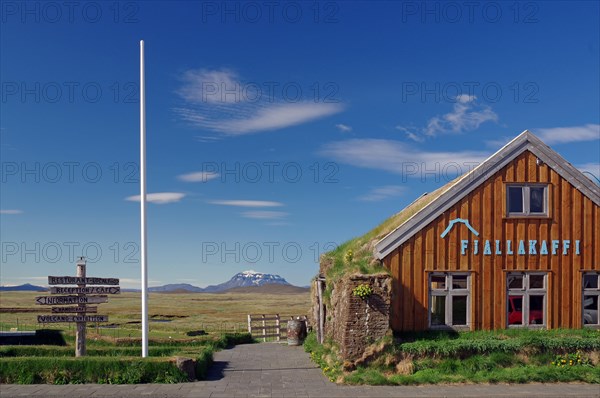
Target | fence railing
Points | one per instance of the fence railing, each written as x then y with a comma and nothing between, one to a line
269,327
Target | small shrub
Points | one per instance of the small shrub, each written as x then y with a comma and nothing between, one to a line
363,291
348,256
575,359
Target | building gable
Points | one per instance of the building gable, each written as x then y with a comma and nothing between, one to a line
525,142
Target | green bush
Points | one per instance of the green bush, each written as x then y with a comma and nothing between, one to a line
44,370
507,356
116,363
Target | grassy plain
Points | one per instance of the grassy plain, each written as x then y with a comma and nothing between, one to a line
170,314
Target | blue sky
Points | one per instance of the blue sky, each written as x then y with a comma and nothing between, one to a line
275,130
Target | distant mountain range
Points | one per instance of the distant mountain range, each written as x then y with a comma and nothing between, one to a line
241,279
23,288
242,282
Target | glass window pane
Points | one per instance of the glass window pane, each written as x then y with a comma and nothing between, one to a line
515,281
536,310
590,310
459,310
590,281
438,310
536,281
515,199
515,310
459,281
536,199
438,281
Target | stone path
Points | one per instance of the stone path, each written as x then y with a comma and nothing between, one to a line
277,370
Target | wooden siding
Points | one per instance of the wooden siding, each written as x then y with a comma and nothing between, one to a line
572,217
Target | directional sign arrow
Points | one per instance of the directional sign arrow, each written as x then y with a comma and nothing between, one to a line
86,290
66,300
75,280
71,318
59,310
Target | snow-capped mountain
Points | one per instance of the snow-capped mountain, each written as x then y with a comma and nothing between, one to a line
241,279
247,278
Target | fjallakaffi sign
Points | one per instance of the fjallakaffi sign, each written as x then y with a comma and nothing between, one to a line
521,247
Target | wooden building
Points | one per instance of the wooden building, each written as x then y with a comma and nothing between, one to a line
513,243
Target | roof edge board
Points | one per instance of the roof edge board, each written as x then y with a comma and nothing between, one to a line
446,200
470,181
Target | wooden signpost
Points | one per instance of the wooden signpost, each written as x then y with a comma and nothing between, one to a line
61,310
65,300
78,297
86,290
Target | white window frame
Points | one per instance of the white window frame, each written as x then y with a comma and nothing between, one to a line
525,188
448,292
590,292
526,292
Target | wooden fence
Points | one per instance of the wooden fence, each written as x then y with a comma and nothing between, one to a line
271,327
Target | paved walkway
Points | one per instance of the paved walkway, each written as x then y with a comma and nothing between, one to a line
276,370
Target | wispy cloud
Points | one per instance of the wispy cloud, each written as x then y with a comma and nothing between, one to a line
219,101
561,135
411,133
246,203
11,211
198,176
593,168
382,193
267,118
343,128
211,86
265,214
159,198
400,158
466,115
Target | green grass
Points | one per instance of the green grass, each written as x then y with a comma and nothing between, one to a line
514,374
104,370
213,313
444,344
508,356
356,255
115,362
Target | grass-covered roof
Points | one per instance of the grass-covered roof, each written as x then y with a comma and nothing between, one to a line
357,255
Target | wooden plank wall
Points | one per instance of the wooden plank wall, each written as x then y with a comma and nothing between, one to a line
572,217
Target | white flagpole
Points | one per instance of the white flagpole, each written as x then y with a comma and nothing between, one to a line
143,249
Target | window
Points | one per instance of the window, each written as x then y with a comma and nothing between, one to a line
449,300
526,299
527,200
591,298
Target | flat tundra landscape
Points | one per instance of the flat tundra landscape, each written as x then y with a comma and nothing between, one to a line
171,315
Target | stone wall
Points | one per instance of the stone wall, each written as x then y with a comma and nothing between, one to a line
355,323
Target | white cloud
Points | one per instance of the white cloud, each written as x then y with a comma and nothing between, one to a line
246,203
343,128
159,198
411,134
560,135
593,168
279,116
382,193
400,158
465,98
267,118
264,214
11,211
219,101
211,86
207,138
198,176
466,115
